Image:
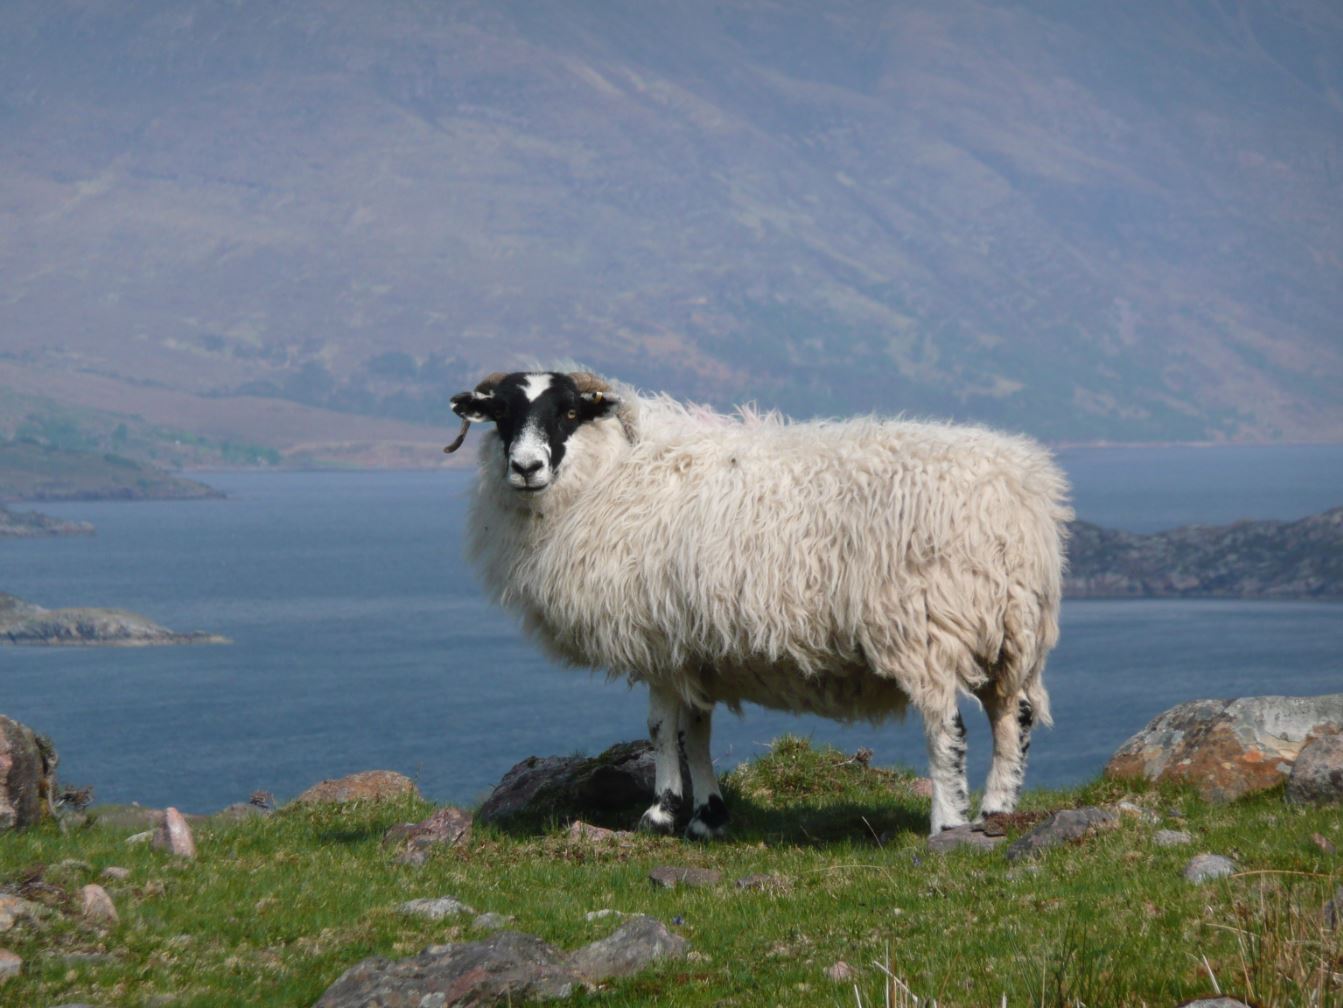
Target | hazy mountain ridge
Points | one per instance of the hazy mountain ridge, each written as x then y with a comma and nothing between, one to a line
1120,228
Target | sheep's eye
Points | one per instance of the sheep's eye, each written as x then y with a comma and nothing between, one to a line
572,414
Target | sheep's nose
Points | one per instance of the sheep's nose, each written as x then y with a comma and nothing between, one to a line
527,468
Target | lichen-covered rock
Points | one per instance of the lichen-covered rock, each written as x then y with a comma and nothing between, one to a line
613,787
635,944
27,775
1227,748
1317,774
367,785
435,909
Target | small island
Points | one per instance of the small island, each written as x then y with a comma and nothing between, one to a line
1246,560
38,472
33,524
23,623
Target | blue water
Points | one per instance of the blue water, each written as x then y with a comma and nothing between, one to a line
361,641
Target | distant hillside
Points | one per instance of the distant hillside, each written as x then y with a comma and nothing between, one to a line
30,471
1086,221
1250,559
33,524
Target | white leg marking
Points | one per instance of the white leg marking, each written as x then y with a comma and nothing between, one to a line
664,729
946,767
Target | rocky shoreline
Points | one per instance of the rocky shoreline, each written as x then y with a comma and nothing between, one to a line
1247,560
26,624
34,524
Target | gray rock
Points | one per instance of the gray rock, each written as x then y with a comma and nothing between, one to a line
1065,826
1171,838
435,909
505,968
1215,1002
969,835
1206,867
1227,748
116,873
1317,774
10,965
772,882
635,944
613,787
669,877
492,921
596,915
27,775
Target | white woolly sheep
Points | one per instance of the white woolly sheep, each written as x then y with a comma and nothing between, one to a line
845,569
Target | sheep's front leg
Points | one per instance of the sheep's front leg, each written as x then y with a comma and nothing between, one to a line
710,819
665,732
946,766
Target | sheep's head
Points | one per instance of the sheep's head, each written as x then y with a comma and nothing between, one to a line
535,414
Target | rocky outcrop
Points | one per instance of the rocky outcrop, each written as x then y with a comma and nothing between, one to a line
1064,826
32,524
612,788
413,842
506,968
1227,748
367,785
1250,559
27,775
27,624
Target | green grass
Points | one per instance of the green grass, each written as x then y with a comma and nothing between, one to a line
275,909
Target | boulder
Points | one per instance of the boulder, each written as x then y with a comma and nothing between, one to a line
611,788
97,906
174,835
367,785
1227,748
1206,867
506,968
1317,774
27,775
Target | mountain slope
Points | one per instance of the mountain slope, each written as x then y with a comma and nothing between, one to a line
1113,224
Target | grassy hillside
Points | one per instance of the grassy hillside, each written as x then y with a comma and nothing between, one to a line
275,909
33,471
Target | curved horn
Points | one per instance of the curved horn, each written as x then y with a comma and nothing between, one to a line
588,382
486,384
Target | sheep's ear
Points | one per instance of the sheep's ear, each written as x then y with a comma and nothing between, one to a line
476,407
593,405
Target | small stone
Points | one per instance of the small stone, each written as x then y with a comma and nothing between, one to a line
15,910
669,877
115,873
97,906
1171,838
1324,843
596,915
840,972
1317,774
448,827
174,835
1205,867
1136,811
10,965
969,835
367,785
1215,1002
771,883
435,909
583,832
1064,826
139,838
492,921
632,947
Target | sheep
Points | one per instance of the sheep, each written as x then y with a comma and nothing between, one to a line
843,568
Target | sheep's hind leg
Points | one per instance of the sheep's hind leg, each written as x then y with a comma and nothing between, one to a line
946,765
665,732
1011,719
710,819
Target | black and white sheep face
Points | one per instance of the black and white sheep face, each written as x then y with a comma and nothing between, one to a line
535,414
